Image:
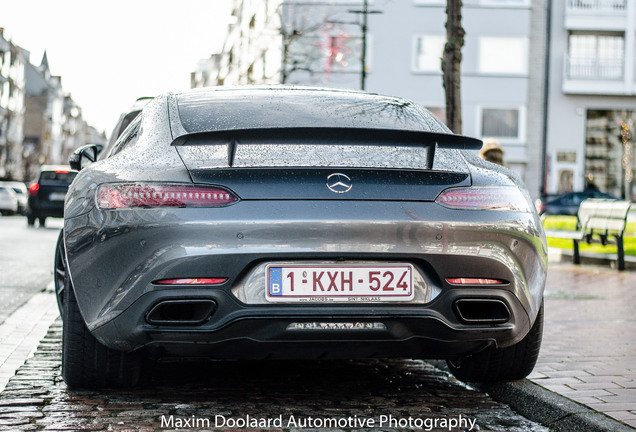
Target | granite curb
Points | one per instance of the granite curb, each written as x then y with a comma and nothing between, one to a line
550,409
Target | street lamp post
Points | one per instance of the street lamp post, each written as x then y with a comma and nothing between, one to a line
363,55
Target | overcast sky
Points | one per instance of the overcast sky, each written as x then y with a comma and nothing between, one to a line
111,52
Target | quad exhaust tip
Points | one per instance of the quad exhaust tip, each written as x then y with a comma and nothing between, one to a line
181,312
481,311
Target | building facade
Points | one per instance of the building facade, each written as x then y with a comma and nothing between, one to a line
405,60
39,123
320,43
252,49
13,60
592,96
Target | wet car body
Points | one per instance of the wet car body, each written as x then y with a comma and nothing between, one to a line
318,185
124,120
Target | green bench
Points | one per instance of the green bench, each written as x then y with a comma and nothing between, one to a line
599,221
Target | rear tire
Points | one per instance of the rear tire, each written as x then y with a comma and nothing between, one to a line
59,273
502,364
86,363
30,220
42,220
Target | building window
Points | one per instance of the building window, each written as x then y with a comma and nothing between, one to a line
503,55
429,2
427,53
329,52
598,5
595,56
505,3
503,124
439,112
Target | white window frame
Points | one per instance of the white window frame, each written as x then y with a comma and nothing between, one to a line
414,67
521,132
525,43
436,106
429,2
505,3
348,69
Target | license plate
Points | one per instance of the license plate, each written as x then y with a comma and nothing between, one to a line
324,283
57,196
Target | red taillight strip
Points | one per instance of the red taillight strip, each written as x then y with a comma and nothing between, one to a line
191,281
474,281
115,196
503,198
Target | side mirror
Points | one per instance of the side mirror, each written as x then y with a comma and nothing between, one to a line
83,157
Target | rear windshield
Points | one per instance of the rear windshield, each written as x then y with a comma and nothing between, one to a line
57,176
307,148
227,110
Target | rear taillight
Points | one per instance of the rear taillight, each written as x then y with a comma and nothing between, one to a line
33,189
502,198
133,195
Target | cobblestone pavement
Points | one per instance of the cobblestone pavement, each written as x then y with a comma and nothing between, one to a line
589,344
185,396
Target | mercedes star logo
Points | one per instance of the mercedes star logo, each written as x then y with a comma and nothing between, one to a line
339,183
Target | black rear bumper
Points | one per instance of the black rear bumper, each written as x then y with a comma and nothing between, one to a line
237,331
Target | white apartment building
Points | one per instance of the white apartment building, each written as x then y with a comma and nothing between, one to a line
408,38
320,43
592,96
12,89
39,124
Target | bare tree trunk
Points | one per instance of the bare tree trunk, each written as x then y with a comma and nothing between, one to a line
285,59
451,62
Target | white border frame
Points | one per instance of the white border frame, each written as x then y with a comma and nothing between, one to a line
526,46
521,134
414,68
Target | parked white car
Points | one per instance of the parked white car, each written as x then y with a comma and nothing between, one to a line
21,191
8,201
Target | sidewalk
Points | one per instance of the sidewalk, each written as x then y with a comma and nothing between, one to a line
589,344
21,332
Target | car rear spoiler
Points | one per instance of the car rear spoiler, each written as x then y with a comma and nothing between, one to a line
325,135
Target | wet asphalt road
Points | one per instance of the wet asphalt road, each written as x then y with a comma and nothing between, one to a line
26,256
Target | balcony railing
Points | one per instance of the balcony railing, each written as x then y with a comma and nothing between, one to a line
581,68
597,5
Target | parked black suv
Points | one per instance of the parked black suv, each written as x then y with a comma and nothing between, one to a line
46,196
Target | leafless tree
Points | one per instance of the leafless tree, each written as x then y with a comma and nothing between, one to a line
301,28
451,62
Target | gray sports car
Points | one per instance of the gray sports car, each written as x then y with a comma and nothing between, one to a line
296,223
